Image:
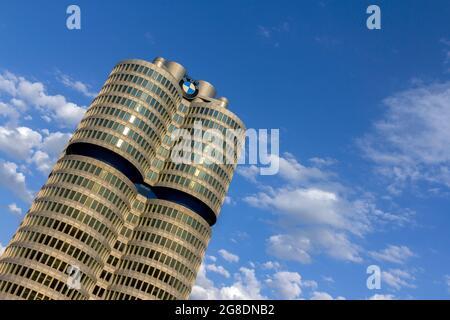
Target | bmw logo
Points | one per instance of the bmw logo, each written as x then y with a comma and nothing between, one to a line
189,87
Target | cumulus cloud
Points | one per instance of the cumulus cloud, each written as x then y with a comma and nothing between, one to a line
397,278
249,172
320,295
218,269
75,85
228,256
14,180
314,206
18,143
25,93
299,245
286,284
245,287
13,208
269,265
229,200
317,214
49,150
26,144
409,144
393,254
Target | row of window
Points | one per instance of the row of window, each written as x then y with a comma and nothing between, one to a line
131,118
143,286
82,216
228,141
198,173
45,259
143,83
40,278
67,230
137,106
93,169
150,73
188,183
64,247
135,92
158,274
21,291
167,243
123,130
113,140
161,257
202,227
87,183
57,191
216,114
175,230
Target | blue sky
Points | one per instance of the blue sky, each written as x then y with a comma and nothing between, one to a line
363,116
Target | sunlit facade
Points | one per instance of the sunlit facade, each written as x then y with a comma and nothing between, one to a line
116,206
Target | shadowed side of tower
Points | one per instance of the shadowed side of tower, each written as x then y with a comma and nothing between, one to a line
116,207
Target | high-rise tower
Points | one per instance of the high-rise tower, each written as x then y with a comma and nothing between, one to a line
118,215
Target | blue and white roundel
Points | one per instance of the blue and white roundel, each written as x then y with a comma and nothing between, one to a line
189,87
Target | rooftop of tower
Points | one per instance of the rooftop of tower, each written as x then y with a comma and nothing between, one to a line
205,90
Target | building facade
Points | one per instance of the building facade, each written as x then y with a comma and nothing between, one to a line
118,217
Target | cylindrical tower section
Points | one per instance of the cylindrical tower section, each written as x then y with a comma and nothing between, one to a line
164,255
71,224
213,150
131,113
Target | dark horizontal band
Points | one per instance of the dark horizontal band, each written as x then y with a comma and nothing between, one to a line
128,169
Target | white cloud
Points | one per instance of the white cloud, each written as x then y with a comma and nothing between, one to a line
52,145
269,265
317,214
55,142
218,269
322,161
314,206
14,180
291,170
9,112
228,256
75,85
286,284
25,144
212,258
229,200
319,295
397,279
410,143
394,254
286,247
245,287
13,208
378,296
299,245
248,172
52,107
42,161
2,249
447,282
18,143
